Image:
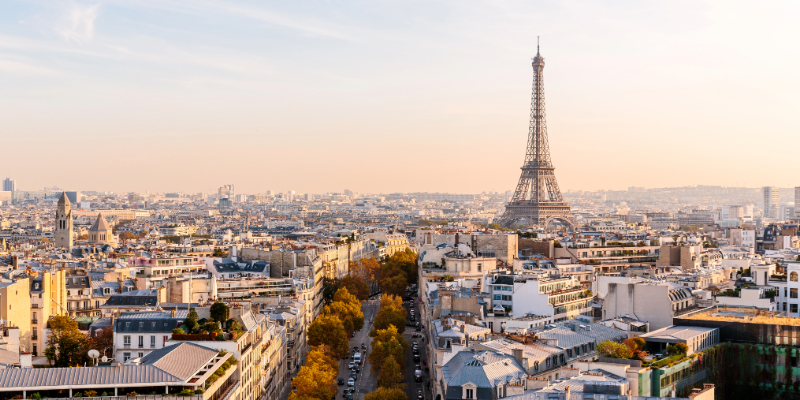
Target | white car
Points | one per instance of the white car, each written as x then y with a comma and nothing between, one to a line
351,365
351,382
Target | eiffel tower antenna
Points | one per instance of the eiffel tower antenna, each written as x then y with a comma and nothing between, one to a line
538,199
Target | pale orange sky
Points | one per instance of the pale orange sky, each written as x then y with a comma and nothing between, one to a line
395,96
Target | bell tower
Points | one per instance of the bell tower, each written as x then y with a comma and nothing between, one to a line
63,231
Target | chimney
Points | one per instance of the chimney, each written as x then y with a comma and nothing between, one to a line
518,355
172,313
462,328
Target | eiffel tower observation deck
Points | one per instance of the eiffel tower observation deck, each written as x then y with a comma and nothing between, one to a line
537,199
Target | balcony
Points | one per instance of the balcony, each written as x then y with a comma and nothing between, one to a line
35,306
34,321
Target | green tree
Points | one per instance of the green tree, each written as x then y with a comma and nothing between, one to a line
329,288
677,349
220,312
191,321
66,346
386,394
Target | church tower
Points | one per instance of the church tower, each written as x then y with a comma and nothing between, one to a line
63,231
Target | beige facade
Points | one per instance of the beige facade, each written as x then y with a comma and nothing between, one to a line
48,295
100,232
15,308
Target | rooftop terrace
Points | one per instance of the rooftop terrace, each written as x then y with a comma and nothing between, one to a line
743,315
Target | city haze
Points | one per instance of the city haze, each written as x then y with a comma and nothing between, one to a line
391,97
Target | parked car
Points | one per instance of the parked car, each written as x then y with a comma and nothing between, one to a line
351,365
340,382
351,382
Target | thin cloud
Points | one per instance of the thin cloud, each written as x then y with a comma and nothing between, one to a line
78,23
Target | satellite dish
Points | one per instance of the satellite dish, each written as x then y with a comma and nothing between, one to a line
94,354
104,359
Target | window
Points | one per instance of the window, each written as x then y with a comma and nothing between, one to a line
126,356
536,366
497,297
141,355
555,360
792,293
141,341
127,340
793,308
793,277
469,394
547,363
479,267
561,357
569,353
152,341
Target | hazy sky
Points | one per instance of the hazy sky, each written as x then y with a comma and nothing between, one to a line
386,96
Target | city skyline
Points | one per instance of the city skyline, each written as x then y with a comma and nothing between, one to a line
159,89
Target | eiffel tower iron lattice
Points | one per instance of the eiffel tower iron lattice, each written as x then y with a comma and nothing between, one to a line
537,198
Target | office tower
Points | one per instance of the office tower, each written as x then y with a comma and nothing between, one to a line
74,197
797,201
770,201
9,185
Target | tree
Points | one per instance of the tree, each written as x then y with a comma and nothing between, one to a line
389,316
677,349
316,379
634,344
191,321
219,253
66,346
329,288
220,312
392,331
388,300
614,350
356,286
391,376
329,330
383,393
395,284
103,340
381,351
125,236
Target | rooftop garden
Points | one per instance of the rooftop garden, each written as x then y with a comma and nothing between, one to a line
209,329
634,349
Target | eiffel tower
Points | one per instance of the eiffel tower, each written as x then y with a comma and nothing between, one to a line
537,198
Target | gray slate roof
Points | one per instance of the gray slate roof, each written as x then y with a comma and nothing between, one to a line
180,360
483,368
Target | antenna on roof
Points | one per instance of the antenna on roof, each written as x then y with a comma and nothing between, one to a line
537,45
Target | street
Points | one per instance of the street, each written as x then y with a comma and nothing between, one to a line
365,382
411,385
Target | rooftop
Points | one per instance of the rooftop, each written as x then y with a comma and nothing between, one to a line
741,314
